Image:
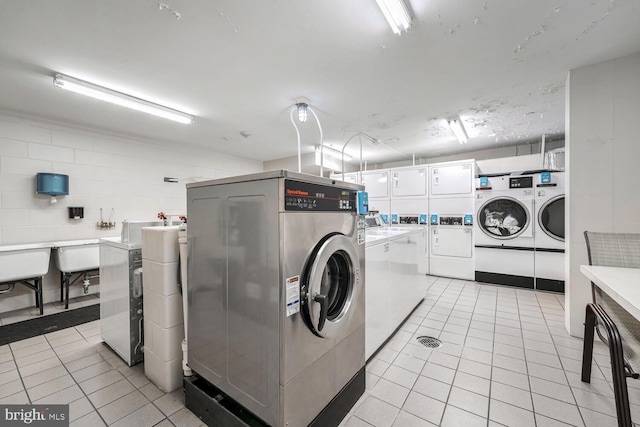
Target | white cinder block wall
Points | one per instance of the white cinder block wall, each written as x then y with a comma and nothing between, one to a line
105,172
603,155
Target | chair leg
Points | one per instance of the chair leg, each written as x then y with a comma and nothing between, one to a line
617,365
587,349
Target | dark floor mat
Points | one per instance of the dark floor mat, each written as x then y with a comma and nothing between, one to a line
50,323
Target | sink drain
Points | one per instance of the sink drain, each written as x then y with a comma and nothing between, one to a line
429,342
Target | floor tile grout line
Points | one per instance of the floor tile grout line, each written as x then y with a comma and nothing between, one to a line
446,403
568,383
24,387
78,385
391,363
526,367
491,374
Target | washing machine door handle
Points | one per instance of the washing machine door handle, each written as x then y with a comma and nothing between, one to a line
322,300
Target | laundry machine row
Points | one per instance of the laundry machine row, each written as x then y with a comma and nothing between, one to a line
410,197
520,230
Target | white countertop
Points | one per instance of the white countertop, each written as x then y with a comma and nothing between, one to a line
51,245
621,284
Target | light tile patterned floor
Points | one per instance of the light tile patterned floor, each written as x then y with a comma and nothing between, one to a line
506,360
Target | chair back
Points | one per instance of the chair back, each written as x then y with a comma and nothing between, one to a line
613,249
617,250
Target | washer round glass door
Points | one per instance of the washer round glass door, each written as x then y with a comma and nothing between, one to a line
551,217
330,283
503,218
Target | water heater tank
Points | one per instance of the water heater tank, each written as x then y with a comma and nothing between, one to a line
53,184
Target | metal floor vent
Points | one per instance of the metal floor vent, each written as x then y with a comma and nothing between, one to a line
429,342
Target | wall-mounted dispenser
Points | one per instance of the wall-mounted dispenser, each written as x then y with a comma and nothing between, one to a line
53,184
76,212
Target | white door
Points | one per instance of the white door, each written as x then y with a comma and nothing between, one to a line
376,183
377,327
451,241
351,177
452,179
409,182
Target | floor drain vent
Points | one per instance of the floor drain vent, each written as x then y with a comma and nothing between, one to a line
430,342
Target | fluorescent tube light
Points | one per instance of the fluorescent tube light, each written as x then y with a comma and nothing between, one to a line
333,152
458,130
118,98
397,15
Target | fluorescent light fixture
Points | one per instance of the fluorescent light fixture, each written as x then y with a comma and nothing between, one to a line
118,98
302,112
458,130
333,152
397,15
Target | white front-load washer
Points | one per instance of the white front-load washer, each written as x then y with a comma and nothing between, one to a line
550,231
505,227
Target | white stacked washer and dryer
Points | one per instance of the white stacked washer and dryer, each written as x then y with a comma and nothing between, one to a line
451,202
410,205
505,226
549,238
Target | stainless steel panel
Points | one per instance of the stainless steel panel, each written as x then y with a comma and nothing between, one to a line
207,319
120,305
282,173
306,395
301,233
252,286
234,291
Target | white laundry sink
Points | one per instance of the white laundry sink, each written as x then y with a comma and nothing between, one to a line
21,262
79,255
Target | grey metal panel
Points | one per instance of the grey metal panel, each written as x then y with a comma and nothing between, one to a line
119,307
253,296
309,392
282,173
207,291
301,233
234,307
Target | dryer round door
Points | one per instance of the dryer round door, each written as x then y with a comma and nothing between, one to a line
551,217
330,285
503,218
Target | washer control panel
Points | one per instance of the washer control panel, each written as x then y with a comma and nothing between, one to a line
306,196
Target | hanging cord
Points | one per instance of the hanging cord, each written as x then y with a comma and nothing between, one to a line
293,122
321,141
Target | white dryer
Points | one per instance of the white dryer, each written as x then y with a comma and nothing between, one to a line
451,179
377,184
549,244
505,227
451,238
350,177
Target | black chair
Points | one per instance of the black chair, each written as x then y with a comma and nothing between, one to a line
618,329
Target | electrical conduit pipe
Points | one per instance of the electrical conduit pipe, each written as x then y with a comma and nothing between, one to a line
184,252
